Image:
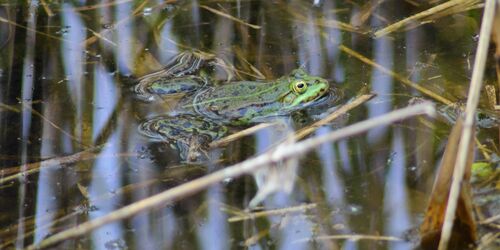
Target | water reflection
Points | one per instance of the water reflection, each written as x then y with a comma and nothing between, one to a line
75,89
395,187
104,100
213,231
333,186
124,51
73,60
106,178
26,120
381,84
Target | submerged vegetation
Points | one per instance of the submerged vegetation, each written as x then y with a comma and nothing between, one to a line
396,149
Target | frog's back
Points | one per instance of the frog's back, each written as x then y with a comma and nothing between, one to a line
240,102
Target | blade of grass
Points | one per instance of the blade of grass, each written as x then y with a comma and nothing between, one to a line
220,13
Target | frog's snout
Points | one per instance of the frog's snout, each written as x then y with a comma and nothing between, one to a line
321,88
320,93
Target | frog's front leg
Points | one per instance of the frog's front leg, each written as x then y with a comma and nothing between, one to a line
189,134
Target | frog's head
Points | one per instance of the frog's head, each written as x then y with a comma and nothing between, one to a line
305,88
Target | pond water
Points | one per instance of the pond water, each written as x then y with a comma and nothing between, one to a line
69,120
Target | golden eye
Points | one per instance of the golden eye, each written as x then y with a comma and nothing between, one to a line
299,87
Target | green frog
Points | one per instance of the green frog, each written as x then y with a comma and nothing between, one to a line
204,112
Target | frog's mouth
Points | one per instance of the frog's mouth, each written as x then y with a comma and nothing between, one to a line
331,97
323,93
318,100
314,100
323,98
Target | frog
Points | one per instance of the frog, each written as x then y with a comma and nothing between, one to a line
206,109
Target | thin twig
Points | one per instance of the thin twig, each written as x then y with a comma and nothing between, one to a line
487,239
283,152
220,13
53,124
245,63
97,6
323,22
281,211
420,15
32,30
9,107
36,166
365,12
47,8
491,219
341,111
351,237
226,140
467,133
396,76
102,37
136,11
252,240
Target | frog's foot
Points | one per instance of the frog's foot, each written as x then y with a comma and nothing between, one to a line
194,149
186,63
178,77
156,88
189,134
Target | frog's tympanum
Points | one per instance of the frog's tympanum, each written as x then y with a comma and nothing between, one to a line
205,110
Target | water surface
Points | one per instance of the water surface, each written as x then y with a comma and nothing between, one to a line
66,70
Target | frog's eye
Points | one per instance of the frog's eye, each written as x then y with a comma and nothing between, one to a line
299,87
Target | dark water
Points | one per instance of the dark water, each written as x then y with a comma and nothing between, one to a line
66,70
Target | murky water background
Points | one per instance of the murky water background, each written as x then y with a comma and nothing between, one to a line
66,70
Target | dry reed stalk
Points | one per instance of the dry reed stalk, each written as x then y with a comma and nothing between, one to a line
467,132
337,113
465,231
351,237
283,152
46,8
230,138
